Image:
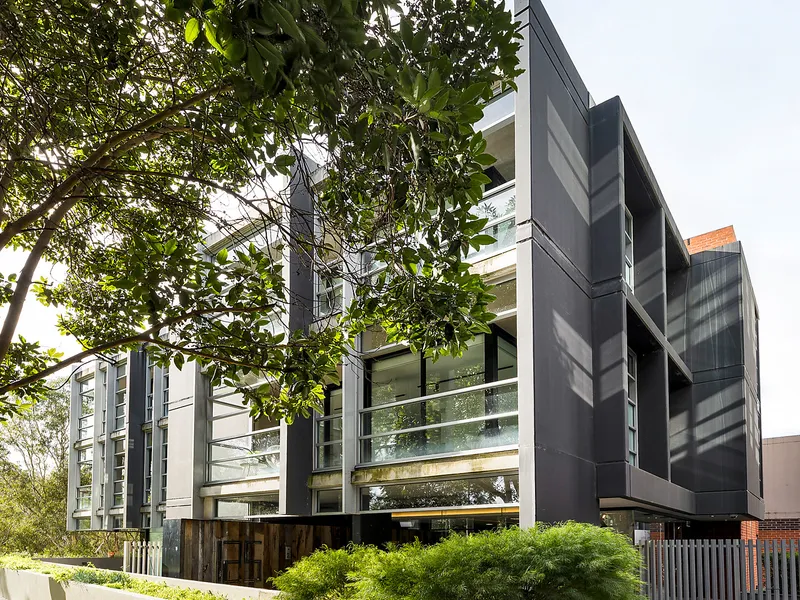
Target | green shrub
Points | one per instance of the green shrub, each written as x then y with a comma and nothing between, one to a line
110,579
573,561
325,574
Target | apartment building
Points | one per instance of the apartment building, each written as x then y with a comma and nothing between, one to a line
619,384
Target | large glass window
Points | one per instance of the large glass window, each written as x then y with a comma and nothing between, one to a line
253,455
477,491
151,382
103,398
628,274
83,524
120,395
329,431
329,501
499,206
247,507
164,448
119,473
329,291
148,467
633,411
84,491
165,392
86,421
417,407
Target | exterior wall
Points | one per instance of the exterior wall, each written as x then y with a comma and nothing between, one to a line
781,484
710,240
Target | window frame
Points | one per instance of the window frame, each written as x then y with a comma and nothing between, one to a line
628,264
632,404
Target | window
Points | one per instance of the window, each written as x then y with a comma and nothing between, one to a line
84,491
103,398
499,206
120,393
83,524
146,520
116,522
151,382
248,456
86,421
148,466
247,507
329,431
329,291
414,407
477,491
329,501
165,392
628,273
119,473
102,471
164,446
633,411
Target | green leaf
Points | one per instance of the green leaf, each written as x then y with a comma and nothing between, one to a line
268,51
406,33
472,92
173,14
211,36
255,66
192,30
222,256
287,22
234,51
485,159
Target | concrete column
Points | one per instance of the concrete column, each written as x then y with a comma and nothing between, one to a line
524,138
72,468
352,394
186,458
297,440
137,366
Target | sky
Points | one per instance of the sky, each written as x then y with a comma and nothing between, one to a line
712,88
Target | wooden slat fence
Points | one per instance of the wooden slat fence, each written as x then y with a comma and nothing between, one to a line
720,569
142,558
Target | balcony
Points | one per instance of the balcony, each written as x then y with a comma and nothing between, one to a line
248,456
499,205
480,417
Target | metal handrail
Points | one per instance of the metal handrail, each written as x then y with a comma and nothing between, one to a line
478,419
244,435
436,396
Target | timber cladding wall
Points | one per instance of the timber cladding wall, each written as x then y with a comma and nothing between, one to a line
249,553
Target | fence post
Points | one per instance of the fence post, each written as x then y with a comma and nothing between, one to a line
125,551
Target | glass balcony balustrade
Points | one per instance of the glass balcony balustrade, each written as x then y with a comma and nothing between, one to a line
248,456
474,418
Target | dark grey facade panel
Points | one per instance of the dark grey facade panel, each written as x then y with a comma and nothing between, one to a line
565,488
682,439
559,161
607,196
653,425
563,370
678,311
137,374
609,348
715,313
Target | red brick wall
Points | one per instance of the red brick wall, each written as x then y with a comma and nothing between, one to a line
749,530
779,529
712,239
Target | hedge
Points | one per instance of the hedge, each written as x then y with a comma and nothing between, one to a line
111,579
572,561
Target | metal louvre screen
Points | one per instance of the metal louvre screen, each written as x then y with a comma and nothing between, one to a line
720,569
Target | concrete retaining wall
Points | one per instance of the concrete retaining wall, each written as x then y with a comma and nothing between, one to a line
111,564
28,585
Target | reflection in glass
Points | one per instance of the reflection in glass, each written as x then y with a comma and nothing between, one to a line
247,506
496,490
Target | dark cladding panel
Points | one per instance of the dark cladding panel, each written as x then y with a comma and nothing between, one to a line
653,414
609,351
716,317
682,437
560,161
650,264
607,190
563,366
565,488
720,431
678,311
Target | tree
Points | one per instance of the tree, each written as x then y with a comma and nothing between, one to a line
130,130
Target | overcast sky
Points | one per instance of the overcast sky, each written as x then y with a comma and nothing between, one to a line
712,88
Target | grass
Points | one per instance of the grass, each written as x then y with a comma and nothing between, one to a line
110,579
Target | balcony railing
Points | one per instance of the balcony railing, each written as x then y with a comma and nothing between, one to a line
479,417
499,205
248,456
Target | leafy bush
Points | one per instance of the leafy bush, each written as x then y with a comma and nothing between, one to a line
573,561
110,579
